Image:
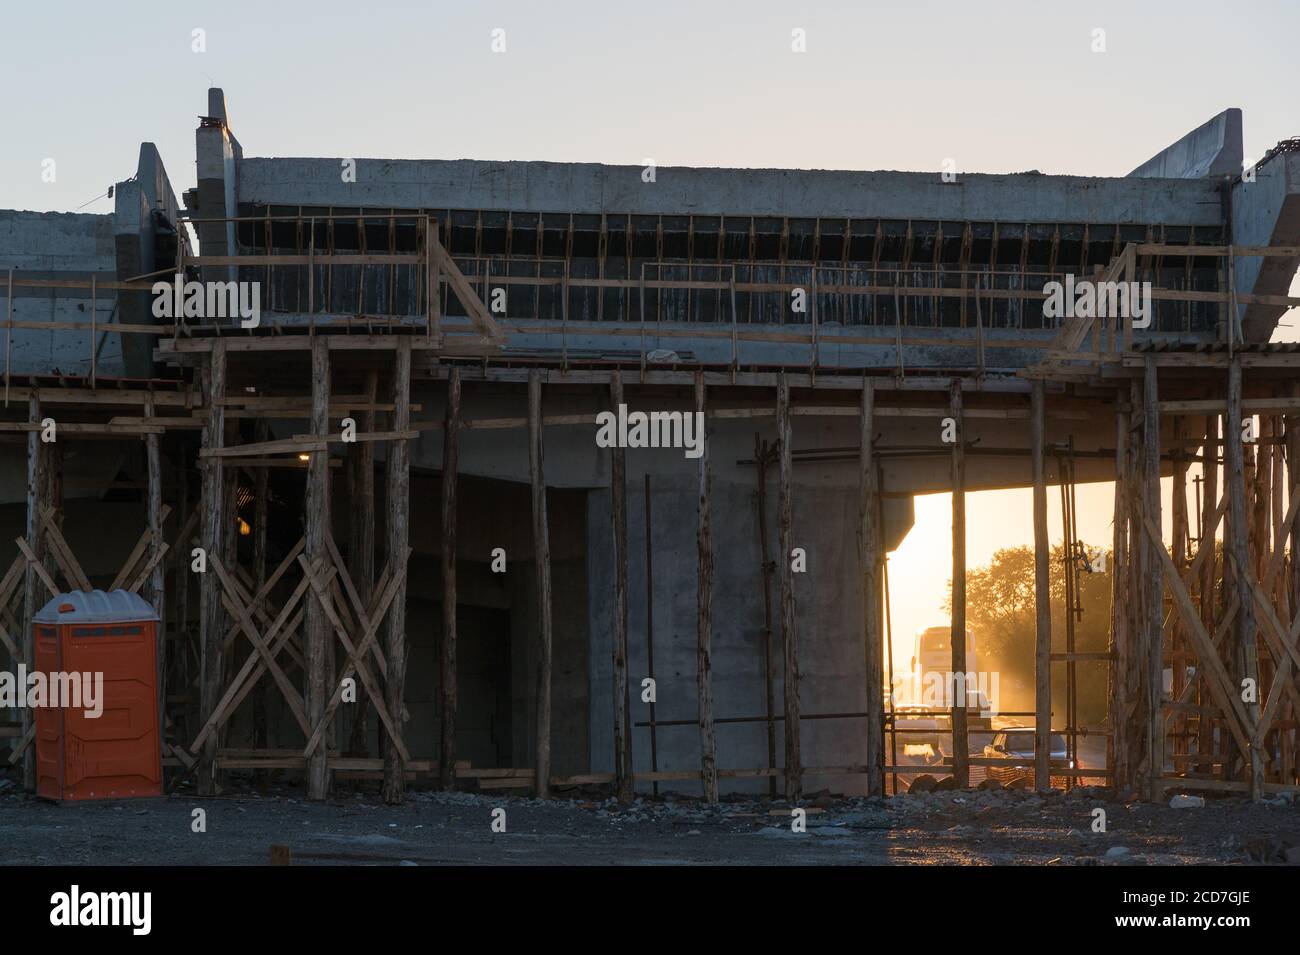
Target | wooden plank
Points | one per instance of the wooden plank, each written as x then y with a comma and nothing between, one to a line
478,314
704,613
871,571
542,561
960,739
618,519
1042,598
450,440
789,627
398,524
316,522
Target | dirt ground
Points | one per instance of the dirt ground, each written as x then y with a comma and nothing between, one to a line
970,827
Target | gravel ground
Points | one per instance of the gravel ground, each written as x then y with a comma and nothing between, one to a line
970,827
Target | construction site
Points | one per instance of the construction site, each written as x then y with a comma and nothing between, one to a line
463,484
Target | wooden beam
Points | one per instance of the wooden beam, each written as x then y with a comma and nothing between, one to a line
1151,662
398,528
618,506
156,589
1042,598
450,439
704,614
542,560
789,628
316,519
1211,515
464,291
1238,547
869,552
38,489
213,522
960,739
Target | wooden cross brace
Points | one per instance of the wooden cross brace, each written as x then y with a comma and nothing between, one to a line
1221,686
234,605
357,654
254,665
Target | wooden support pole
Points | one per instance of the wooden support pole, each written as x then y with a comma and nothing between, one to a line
1042,596
1290,584
789,629
871,572
34,593
542,560
960,739
261,489
618,506
1177,641
361,539
1209,574
211,616
1152,660
1121,699
156,589
397,523
1238,546
316,520
450,440
762,456
704,613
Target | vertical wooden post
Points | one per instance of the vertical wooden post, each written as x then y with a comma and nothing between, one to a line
1292,585
38,489
870,571
450,442
1120,634
704,612
1042,596
361,540
765,575
1152,662
211,627
261,489
1179,552
1235,481
156,589
789,630
542,559
316,519
960,739
397,524
618,506
1209,575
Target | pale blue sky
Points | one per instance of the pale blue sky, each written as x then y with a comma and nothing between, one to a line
898,85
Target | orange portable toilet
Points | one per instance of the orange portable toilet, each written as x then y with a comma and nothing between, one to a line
79,755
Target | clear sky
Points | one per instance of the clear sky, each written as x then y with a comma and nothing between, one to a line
998,87
995,86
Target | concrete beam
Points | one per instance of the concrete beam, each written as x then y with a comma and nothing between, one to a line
593,189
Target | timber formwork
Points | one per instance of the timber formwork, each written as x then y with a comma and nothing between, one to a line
1223,621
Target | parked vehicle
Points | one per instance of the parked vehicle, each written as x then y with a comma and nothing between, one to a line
1018,743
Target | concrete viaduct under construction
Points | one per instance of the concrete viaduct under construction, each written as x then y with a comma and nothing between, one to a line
388,459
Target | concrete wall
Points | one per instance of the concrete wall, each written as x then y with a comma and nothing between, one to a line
825,517
59,245
1212,150
1267,212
